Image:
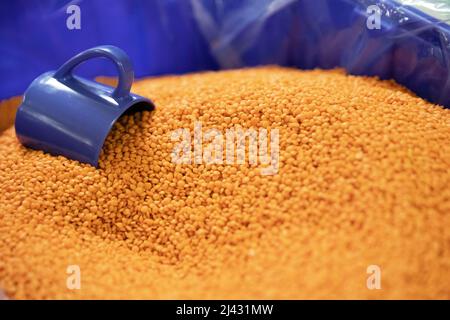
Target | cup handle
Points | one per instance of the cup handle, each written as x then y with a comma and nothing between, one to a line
117,55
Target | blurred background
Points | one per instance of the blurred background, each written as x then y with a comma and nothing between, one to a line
179,36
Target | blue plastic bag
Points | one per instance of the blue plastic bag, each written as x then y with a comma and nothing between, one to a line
410,46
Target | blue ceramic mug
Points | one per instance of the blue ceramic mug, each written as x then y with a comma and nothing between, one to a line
67,115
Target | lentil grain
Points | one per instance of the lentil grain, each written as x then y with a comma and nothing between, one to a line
363,180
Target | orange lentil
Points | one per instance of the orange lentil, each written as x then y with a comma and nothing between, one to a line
364,175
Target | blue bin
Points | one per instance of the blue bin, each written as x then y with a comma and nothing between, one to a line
177,36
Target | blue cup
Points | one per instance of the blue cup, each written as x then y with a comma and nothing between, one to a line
66,115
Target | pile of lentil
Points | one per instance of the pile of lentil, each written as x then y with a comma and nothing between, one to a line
364,175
